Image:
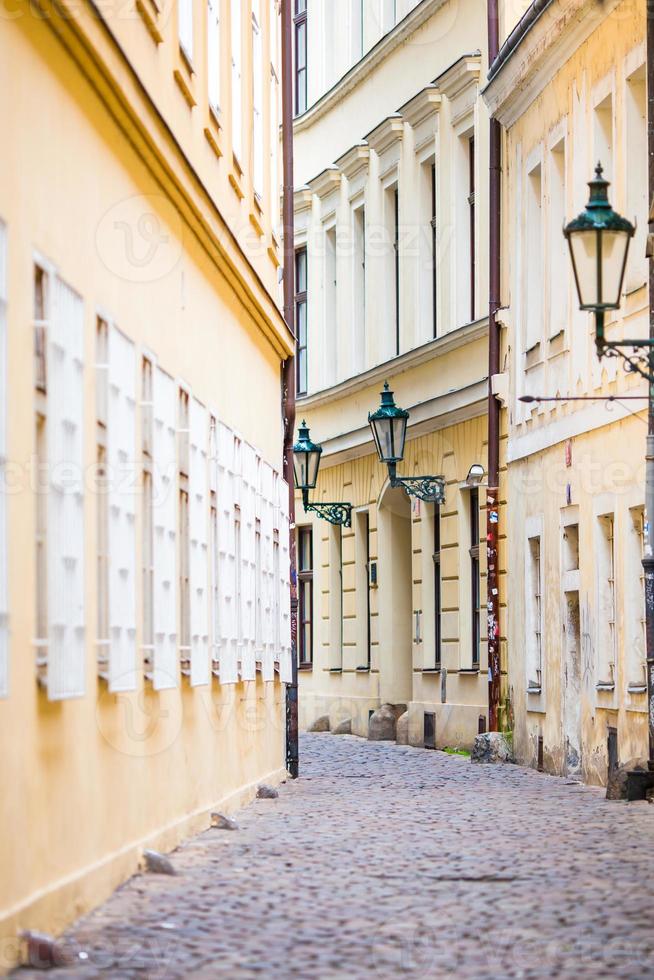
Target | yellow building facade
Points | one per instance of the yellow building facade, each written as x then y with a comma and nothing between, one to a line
391,212
144,601
569,88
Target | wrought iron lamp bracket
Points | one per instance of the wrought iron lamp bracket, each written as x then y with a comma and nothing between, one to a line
335,513
431,489
637,354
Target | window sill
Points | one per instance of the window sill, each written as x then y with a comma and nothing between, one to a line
184,85
236,185
212,141
150,16
362,670
431,670
637,689
534,690
335,670
256,224
305,668
468,670
606,686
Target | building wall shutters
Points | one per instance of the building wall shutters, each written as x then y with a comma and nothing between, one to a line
65,573
226,483
199,566
4,591
122,488
165,531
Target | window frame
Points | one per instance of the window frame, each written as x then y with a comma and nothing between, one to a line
475,579
301,302
305,579
300,74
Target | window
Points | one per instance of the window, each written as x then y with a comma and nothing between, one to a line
4,599
238,566
257,99
475,583
335,598
362,589
237,81
213,52
305,579
391,222
185,27
60,543
359,322
636,185
330,311
275,194
434,252
183,455
438,589
214,556
147,543
534,617
41,307
636,637
606,608
533,304
603,135
102,493
300,36
301,320
471,207
559,261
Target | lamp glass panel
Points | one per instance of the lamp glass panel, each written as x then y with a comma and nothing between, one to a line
313,464
373,426
384,431
399,436
300,470
583,246
614,246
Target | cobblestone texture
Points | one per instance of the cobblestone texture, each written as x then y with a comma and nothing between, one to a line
384,861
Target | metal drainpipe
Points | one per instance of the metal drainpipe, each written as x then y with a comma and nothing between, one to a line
288,371
492,496
648,558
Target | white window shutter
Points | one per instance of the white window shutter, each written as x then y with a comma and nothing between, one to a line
4,590
66,634
268,584
121,447
285,665
213,52
165,531
185,25
247,597
198,533
237,82
226,482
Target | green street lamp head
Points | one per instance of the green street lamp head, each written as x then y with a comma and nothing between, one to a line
306,460
388,426
599,239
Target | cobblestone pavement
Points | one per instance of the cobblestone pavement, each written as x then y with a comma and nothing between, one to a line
384,861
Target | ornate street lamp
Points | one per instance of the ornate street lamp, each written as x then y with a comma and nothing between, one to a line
599,240
389,424
306,463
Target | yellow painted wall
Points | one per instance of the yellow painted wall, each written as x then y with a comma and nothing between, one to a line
89,782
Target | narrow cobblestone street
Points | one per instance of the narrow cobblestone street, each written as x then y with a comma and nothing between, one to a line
383,861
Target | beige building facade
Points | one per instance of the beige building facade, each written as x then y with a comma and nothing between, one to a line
144,593
569,88
391,211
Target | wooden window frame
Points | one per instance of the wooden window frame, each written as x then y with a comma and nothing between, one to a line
300,74
305,578
302,378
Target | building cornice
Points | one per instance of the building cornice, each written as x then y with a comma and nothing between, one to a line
541,48
354,161
91,44
450,408
451,341
325,182
355,76
302,199
388,132
463,73
422,106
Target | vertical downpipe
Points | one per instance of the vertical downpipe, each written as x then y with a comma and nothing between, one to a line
648,557
492,498
288,371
